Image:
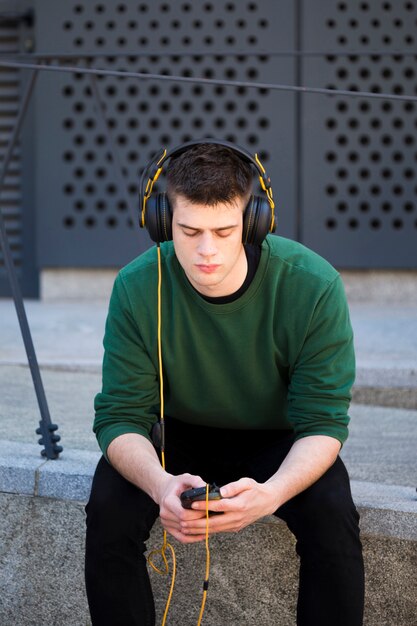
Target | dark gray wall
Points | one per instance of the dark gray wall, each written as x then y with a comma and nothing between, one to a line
343,169
17,202
84,218
359,156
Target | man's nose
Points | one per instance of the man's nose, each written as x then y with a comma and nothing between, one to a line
207,245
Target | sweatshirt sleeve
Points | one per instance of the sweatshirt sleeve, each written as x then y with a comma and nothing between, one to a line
320,385
129,397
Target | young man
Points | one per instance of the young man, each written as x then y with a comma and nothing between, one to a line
258,364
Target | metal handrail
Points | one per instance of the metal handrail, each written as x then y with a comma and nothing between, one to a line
49,439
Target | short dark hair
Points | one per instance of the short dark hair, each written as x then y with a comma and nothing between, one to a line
209,174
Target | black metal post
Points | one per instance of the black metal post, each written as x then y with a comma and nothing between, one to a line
46,428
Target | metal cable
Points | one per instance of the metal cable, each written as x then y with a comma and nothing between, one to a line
207,81
220,53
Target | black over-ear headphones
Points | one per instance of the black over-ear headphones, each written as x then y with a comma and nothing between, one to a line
156,213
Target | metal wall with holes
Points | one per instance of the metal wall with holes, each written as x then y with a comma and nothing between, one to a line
359,156
16,201
344,169
85,217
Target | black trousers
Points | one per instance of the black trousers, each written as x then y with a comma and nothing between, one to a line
323,519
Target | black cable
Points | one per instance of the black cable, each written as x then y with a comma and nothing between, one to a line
207,81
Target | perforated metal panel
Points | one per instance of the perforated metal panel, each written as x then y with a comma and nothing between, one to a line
359,166
10,200
83,213
17,215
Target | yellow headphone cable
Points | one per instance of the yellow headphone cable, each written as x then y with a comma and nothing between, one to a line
165,545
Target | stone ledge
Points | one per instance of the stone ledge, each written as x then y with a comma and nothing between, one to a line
24,471
392,376
394,397
253,576
386,510
378,286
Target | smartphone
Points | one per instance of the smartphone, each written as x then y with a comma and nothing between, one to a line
199,494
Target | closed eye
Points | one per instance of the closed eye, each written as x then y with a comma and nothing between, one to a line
224,233
189,232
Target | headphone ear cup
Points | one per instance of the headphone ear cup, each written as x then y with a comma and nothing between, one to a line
158,218
256,220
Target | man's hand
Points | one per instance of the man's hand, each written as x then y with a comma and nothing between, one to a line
244,502
172,514
135,458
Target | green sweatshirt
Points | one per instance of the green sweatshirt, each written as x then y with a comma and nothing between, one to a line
280,356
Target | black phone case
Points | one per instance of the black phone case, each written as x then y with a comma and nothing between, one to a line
199,493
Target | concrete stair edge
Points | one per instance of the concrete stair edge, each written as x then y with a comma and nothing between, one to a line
386,510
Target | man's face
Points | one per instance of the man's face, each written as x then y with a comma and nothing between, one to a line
208,245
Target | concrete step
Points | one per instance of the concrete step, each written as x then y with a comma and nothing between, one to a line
253,574
70,392
396,397
253,578
42,521
70,334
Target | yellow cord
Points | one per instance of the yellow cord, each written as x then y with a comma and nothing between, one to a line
165,571
161,378
165,545
206,580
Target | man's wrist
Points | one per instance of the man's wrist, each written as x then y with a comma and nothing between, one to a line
159,487
274,493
